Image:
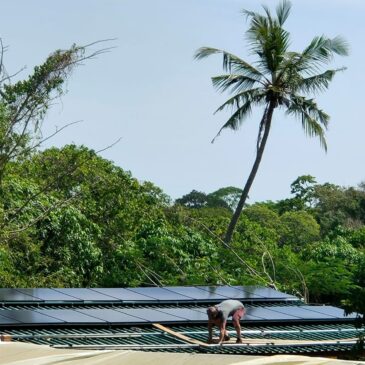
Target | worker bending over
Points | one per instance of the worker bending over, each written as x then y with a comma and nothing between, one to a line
218,315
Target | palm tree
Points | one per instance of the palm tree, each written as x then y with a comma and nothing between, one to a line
278,79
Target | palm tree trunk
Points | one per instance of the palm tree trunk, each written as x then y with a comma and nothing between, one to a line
266,120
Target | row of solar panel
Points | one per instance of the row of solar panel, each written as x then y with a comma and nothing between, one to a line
135,316
143,295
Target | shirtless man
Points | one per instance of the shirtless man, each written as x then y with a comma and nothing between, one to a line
218,315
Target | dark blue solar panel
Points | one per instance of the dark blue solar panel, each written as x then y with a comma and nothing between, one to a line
29,317
196,293
187,314
269,314
267,293
330,311
8,321
112,316
87,295
13,295
302,312
124,295
70,316
161,294
152,315
231,292
48,295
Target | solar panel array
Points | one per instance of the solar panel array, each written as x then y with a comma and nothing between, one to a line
112,306
148,295
142,316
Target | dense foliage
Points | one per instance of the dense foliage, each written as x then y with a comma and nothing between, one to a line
90,223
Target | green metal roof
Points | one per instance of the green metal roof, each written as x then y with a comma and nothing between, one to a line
152,339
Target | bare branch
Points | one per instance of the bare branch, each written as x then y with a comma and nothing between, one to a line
110,146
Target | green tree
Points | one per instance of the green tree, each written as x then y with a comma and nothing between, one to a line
299,229
24,104
195,199
279,79
336,206
230,195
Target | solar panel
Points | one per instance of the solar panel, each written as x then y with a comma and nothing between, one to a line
161,294
267,293
8,321
13,295
231,292
303,312
70,316
269,314
124,295
153,315
331,311
48,295
112,316
87,295
196,293
187,314
29,317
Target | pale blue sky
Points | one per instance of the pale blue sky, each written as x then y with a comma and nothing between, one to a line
150,92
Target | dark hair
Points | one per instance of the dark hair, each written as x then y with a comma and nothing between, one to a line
212,312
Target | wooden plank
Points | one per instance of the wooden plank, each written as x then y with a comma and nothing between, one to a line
179,335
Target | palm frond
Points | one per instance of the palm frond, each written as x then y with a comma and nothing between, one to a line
236,83
236,119
314,120
231,63
267,39
318,82
255,96
322,49
283,11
